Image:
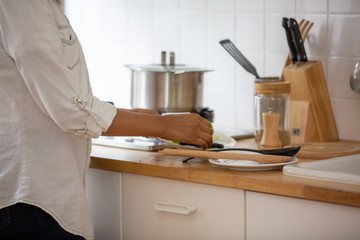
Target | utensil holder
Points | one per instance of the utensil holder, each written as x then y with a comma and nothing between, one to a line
312,118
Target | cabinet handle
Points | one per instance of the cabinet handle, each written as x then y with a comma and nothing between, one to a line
174,208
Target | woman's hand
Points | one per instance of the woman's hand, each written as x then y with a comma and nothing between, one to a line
187,128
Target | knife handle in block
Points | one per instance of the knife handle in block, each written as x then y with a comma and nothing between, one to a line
298,41
289,39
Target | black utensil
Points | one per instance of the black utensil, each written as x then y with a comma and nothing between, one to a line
239,57
213,145
291,151
289,39
298,42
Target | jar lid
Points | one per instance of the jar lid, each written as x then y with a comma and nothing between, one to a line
272,87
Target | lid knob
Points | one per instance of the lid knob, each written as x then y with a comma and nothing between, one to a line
163,58
172,58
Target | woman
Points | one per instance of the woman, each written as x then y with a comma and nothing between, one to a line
48,115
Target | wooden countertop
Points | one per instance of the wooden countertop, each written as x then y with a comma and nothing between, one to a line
201,171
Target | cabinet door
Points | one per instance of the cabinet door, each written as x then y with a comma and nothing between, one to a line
276,217
103,189
219,211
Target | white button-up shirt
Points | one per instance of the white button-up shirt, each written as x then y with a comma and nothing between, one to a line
47,113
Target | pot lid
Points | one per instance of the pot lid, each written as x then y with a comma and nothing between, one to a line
163,67
178,68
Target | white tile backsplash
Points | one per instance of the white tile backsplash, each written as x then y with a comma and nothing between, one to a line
140,27
339,80
166,32
192,29
344,35
92,16
224,5
166,4
244,110
344,7
316,42
193,4
275,40
220,25
118,18
116,4
280,5
250,31
311,6
224,74
192,57
223,102
274,63
137,3
118,32
250,5
347,117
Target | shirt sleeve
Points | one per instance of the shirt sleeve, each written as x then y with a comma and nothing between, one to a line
32,38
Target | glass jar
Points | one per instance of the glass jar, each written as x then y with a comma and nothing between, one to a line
272,113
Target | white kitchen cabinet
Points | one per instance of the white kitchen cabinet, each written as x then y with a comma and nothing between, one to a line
219,211
103,189
277,217
123,208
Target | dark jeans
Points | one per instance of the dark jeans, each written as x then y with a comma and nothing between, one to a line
27,222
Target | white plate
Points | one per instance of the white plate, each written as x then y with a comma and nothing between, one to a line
218,136
247,165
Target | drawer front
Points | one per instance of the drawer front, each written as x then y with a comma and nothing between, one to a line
157,208
285,218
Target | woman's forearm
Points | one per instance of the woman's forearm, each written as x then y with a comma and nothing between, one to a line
187,128
133,123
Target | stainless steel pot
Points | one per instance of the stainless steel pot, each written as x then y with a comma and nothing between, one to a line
167,88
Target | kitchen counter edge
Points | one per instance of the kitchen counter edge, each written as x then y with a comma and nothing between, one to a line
201,171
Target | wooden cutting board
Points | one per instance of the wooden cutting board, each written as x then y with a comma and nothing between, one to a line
325,150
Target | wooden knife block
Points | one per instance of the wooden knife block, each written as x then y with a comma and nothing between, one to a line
312,118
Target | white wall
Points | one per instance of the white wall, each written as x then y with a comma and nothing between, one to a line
118,32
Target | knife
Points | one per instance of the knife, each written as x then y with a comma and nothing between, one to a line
289,39
298,42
